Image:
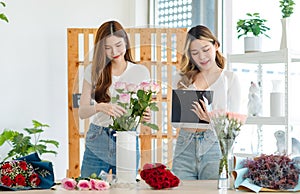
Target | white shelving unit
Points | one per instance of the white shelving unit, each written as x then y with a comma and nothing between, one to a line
283,56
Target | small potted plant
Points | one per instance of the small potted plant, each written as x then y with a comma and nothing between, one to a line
252,28
287,9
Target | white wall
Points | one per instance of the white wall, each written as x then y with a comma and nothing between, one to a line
33,61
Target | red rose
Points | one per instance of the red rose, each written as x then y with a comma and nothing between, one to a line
6,168
5,180
20,180
148,166
166,184
174,182
34,180
23,165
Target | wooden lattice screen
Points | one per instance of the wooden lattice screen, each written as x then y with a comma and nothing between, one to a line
160,50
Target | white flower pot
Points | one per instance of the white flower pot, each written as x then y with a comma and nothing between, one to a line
285,43
252,44
126,156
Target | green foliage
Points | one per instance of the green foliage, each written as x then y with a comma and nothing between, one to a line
287,7
22,145
254,24
2,15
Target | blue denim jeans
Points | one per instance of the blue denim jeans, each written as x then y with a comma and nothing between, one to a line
196,156
100,151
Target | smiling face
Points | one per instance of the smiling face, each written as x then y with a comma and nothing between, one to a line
115,48
203,53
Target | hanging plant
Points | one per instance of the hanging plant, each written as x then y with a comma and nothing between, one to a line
2,15
287,7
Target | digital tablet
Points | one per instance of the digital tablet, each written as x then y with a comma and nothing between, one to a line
182,116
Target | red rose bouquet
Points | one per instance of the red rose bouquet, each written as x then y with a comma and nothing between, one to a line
18,173
158,176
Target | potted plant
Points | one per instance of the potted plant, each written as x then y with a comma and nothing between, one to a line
2,15
255,26
287,9
23,145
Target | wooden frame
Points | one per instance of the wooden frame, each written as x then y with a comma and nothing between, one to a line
160,50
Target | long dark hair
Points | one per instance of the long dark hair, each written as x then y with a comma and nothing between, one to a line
101,65
188,67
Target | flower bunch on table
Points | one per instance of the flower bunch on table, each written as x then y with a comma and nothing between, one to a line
80,183
227,126
158,176
135,99
18,174
272,171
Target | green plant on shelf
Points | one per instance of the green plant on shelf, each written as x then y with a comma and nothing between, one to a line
287,7
253,24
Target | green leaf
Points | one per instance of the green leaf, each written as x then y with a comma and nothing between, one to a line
7,135
37,124
33,130
3,17
2,3
49,141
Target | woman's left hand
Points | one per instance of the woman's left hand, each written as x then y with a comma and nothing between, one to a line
147,115
199,111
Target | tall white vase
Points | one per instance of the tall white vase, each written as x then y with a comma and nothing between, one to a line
285,43
126,156
276,100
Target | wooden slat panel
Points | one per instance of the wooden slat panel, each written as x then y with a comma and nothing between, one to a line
74,149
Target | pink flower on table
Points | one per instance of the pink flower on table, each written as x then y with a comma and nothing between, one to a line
99,184
120,85
84,185
124,98
146,86
132,88
68,183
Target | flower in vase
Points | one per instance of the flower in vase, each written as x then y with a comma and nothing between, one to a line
227,126
135,99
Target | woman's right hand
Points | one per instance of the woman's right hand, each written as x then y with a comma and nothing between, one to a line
113,110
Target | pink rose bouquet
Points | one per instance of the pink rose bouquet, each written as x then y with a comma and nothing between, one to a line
135,99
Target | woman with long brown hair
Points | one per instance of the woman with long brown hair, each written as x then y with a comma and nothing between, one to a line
197,151
112,62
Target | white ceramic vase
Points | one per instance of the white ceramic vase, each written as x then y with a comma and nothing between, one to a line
285,43
277,100
126,156
252,44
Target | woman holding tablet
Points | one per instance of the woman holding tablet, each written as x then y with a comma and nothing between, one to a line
197,150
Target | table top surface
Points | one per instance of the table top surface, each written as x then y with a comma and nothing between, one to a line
185,187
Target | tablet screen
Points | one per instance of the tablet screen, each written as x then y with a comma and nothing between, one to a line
182,101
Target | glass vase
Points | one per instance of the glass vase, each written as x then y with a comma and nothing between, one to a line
226,166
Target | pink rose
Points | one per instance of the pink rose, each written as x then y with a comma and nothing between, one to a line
146,86
132,87
84,185
124,98
68,183
120,85
100,185
155,87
